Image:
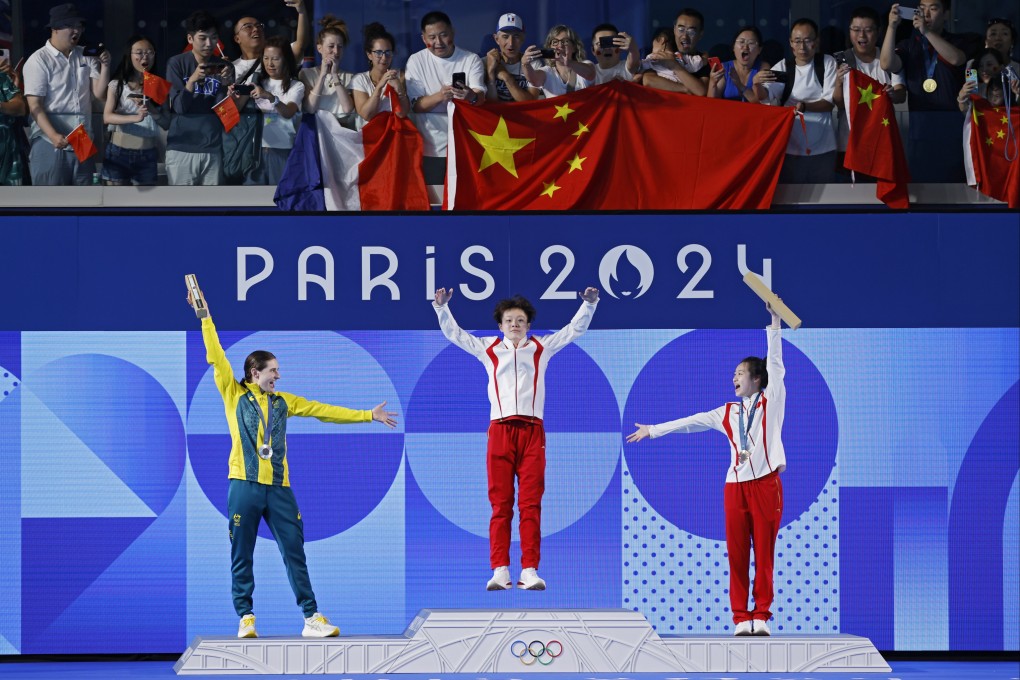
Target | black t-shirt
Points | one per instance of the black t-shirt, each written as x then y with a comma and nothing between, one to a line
948,77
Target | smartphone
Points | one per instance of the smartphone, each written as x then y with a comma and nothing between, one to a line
908,13
244,89
90,51
136,95
548,54
715,63
781,76
460,80
606,42
840,58
5,53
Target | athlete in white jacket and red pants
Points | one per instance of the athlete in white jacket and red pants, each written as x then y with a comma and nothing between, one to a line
753,497
516,366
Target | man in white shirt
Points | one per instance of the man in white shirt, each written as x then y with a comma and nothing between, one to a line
430,87
516,365
863,56
811,151
609,46
60,82
689,68
504,73
250,36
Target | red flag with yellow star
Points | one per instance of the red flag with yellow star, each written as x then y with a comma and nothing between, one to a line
155,88
227,111
618,146
994,150
82,144
874,147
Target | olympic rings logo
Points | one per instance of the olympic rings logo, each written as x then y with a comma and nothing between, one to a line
536,651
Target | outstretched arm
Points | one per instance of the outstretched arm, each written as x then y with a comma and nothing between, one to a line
577,326
453,332
699,422
223,374
381,415
774,361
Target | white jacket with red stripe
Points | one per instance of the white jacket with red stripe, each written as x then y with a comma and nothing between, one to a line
767,453
516,374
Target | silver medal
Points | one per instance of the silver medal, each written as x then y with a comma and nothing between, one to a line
265,453
744,455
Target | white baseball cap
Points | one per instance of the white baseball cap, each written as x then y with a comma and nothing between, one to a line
510,22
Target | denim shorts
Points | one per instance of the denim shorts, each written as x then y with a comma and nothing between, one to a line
124,165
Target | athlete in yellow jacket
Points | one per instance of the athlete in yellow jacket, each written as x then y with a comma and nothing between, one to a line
259,483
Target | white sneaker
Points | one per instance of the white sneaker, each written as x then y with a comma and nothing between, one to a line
743,628
500,579
246,629
318,625
530,580
761,628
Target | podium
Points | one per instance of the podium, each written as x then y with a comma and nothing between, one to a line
516,641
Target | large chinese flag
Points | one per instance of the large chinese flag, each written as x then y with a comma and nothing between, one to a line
618,146
155,88
994,150
875,147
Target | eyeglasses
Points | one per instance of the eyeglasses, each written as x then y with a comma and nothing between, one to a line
802,42
248,28
862,29
689,30
746,43
382,53
556,42
143,53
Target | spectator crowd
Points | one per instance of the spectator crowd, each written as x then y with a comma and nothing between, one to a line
54,92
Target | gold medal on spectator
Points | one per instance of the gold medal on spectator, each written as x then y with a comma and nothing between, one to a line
930,85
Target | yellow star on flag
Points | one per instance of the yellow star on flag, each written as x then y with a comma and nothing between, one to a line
581,129
563,111
885,122
550,189
1001,134
575,164
976,113
989,141
868,95
1004,120
500,147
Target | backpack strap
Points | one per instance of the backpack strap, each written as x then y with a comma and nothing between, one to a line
791,75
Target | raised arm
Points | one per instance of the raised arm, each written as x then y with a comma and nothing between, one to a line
451,330
888,60
774,362
223,374
577,326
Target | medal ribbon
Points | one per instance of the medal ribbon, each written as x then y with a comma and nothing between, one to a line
750,419
931,58
267,424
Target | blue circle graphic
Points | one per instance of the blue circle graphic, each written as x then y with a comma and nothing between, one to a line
682,475
448,418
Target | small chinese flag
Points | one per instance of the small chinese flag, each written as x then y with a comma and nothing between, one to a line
226,109
155,88
80,142
995,156
875,147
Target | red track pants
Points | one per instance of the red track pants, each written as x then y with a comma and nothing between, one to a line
516,448
753,511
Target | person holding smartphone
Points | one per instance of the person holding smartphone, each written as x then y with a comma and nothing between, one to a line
60,82
689,67
12,107
931,62
430,87
504,68
134,120
609,46
560,67
743,79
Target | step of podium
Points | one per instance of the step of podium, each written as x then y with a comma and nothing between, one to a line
512,641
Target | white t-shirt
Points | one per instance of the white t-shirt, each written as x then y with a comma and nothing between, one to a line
426,74
873,69
66,85
279,132
821,132
618,72
241,67
328,98
363,83
554,85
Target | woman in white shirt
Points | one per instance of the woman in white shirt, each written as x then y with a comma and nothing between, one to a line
131,154
278,95
567,70
369,88
327,88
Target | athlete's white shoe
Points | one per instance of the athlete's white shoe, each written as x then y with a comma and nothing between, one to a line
246,629
761,628
500,579
318,625
530,580
743,628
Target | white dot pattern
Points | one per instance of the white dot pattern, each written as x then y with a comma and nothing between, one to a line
680,581
8,383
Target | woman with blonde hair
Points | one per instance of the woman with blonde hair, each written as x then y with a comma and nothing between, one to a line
327,88
566,71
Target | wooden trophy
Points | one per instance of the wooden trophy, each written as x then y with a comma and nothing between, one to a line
197,299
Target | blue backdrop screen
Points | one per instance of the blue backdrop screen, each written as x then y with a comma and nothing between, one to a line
902,511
